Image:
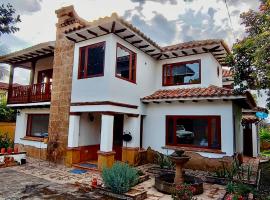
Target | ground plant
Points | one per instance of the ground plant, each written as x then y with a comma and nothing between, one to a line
164,161
184,192
5,141
120,177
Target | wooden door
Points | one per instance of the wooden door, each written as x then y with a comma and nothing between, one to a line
118,127
247,134
45,76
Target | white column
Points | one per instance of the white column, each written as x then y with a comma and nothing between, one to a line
132,125
74,131
106,140
255,140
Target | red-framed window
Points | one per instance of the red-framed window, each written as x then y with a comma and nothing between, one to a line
37,125
92,59
125,63
182,73
194,131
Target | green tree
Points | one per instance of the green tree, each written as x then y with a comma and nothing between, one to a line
8,19
250,58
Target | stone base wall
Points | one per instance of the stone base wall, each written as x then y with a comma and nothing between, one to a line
198,162
33,151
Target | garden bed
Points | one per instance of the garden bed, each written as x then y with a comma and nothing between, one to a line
11,159
133,194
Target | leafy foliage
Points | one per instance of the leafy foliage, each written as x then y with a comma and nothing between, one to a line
239,188
120,177
8,19
5,141
250,58
264,134
164,161
7,114
184,192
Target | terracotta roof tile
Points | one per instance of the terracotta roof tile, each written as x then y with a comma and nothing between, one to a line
249,118
226,73
179,93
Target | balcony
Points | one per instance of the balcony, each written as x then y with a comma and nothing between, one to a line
40,92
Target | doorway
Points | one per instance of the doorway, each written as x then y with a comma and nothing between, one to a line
118,127
247,134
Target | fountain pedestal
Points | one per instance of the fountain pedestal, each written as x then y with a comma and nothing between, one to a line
179,161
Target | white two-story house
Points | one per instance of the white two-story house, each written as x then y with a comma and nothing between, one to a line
114,81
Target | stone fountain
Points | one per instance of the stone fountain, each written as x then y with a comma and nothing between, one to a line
166,181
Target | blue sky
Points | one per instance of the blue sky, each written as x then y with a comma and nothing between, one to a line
165,21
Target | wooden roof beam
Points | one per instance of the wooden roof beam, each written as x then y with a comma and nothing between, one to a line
120,30
92,33
136,42
185,53
143,46
72,39
195,51
128,36
103,29
113,27
81,36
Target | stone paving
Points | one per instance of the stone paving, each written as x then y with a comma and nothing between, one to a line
38,179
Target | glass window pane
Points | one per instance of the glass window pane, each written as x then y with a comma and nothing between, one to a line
122,63
95,60
39,125
125,63
170,130
182,73
192,131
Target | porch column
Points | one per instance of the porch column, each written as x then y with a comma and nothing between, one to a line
73,153
32,75
106,154
131,149
11,74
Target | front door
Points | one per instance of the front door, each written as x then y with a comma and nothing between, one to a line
248,147
118,127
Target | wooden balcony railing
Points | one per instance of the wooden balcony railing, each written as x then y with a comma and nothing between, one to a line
40,92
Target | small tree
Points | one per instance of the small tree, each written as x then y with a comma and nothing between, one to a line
250,58
8,19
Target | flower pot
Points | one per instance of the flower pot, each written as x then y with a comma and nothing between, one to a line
9,150
3,150
16,150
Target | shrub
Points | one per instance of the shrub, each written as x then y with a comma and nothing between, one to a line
264,134
164,162
184,192
7,114
120,177
5,141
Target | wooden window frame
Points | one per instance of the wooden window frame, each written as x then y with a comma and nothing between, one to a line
86,60
130,64
164,67
208,117
29,124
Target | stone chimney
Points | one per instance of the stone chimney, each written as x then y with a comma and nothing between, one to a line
61,85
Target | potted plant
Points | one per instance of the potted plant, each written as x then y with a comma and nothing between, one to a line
16,150
9,150
3,150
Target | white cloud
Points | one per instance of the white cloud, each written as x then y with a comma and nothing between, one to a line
39,19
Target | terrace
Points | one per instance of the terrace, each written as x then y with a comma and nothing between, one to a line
38,60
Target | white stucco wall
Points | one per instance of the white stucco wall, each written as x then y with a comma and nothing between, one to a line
154,132
89,130
43,64
109,87
132,126
21,126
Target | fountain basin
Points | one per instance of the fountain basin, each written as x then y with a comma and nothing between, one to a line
165,183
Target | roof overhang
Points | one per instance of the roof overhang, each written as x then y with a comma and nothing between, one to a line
123,29
28,54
